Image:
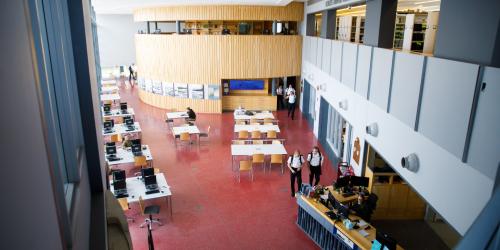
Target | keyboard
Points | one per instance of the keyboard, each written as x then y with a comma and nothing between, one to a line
152,191
124,111
130,128
138,153
121,195
113,159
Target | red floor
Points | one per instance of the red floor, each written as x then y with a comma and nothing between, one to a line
211,210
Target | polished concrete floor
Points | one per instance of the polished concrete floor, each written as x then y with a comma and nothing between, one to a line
211,210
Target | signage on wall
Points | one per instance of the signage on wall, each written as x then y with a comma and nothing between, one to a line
357,150
333,2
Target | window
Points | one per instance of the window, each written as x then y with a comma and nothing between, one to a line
335,131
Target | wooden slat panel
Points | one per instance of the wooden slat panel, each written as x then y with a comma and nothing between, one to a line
249,102
291,12
210,58
174,103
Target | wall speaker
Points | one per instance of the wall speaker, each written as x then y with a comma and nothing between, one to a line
343,104
372,129
410,162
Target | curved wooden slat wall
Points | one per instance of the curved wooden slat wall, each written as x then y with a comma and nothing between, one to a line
210,58
291,12
175,103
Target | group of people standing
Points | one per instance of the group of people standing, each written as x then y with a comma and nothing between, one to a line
287,98
295,164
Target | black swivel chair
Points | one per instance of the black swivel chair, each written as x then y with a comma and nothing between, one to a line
149,211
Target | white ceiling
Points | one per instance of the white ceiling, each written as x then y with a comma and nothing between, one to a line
127,6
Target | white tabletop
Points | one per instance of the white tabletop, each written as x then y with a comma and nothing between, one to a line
118,113
108,82
136,188
121,128
176,115
251,149
110,97
260,116
109,89
182,129
261,128
126,156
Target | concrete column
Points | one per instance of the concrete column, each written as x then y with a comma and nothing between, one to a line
469,31
310,25
273,86
178,27
328,25
380,21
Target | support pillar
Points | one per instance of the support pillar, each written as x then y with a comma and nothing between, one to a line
380,21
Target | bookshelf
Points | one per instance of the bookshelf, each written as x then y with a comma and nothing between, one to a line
399,31
350,28
216,27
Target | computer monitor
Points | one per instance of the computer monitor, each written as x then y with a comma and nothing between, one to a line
119,175
150,180
136,148
343,210
123,106
342,182
386,241
111,150
129,121
108,124
120,185
107,108
145,172
359,181
136,141
111,144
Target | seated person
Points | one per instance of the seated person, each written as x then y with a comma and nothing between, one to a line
361,208
239,111
191,115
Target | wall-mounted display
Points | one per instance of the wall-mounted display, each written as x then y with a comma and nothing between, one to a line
196,91
157,87
148,85
213,92
168,89
181,90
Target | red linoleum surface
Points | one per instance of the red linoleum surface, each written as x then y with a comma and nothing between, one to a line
211,210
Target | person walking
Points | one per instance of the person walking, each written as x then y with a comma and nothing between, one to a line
131,74
295,162
315,160
279,94
291,104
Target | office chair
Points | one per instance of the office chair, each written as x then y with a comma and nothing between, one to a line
149,211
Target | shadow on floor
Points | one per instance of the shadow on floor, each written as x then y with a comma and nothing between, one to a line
411,234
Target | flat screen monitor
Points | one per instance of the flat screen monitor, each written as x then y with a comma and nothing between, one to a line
120,185
150,180
246,84
108,124
136,141
107,108
111,150
343,210
129,121
110,144
359,181
386,241
342,182
119,175
145,172
136,148
123,106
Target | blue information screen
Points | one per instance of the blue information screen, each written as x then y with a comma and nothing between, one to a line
246,84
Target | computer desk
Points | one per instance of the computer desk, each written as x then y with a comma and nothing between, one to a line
136,188
339,197
115,113
127,157
121,129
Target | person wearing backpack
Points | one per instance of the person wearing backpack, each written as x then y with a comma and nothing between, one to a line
315,160
295,162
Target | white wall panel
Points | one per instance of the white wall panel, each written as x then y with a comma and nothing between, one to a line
380,80
349,58
327,50
446,102
363,70
405,88
314,48
319,52
485,138
336,60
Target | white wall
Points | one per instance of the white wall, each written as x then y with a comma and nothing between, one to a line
456,189
116,38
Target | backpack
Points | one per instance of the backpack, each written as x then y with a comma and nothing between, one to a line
290,158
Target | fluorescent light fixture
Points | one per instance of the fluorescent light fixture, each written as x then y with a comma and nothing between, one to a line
430,1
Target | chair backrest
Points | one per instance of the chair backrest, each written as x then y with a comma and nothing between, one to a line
271,134
123,203
116,138
268,120
276,142
254,121
258,142
243,134
277,159
256,134
241,123
258,158
108,102
245,165
140,161
157,170
142,206
268,123
238,142
184,136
